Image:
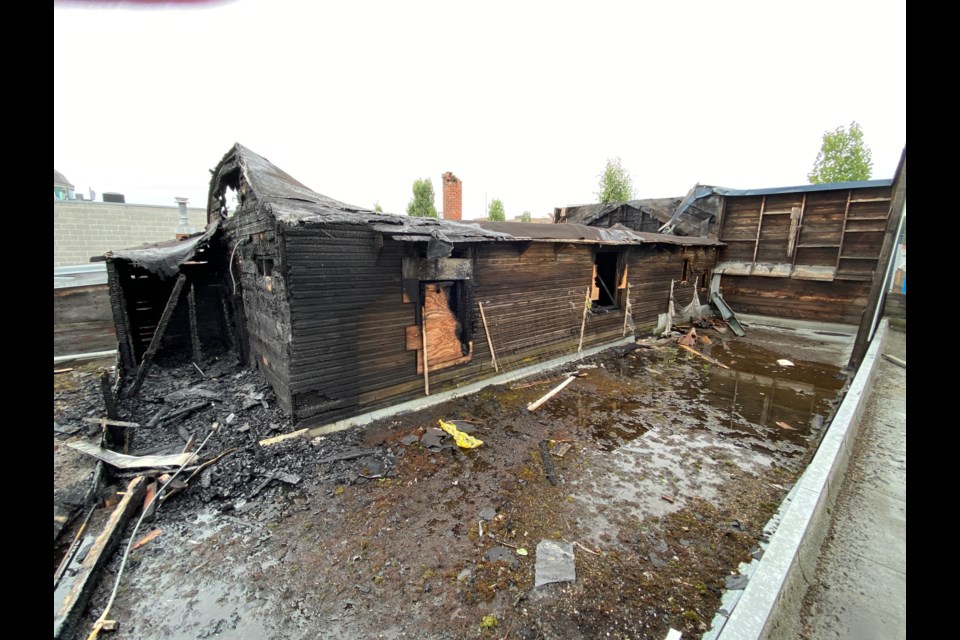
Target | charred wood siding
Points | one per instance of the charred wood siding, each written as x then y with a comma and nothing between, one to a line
839,230
652,267
121,315
265,313
636,219
82,320
348,319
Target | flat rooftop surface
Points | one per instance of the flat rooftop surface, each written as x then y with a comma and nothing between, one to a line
674,468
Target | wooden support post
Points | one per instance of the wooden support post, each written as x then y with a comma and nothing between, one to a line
583,322
626,310
486,330
194,334
231,332
756,244
426,365
109,401
157,336
843,232
803,206
794,225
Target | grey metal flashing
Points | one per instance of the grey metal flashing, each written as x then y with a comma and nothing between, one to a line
805,188
437,398
771,602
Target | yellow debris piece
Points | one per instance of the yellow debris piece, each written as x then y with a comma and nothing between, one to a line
463,440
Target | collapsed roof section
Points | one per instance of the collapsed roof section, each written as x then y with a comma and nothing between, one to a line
249,175
687,219
291,203
164,258
693,202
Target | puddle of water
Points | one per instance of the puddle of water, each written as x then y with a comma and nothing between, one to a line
752,396
669,425
185,608
630,481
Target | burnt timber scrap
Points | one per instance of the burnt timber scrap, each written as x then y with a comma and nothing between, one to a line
329,301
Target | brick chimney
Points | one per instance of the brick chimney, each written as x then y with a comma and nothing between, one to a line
452,197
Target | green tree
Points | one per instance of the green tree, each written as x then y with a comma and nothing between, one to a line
843,157
525,216
421,206
616,185
496,212
377,207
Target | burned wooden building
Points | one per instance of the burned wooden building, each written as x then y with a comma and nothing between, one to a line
345,310
808,252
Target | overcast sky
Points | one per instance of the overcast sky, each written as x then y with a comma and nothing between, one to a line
523,101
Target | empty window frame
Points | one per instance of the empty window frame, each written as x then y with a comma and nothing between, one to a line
606,268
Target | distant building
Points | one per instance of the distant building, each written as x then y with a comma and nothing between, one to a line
62,189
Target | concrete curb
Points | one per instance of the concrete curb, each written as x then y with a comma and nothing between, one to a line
770,605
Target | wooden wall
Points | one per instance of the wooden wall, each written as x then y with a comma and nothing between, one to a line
652,267
82,320
839,230
349,320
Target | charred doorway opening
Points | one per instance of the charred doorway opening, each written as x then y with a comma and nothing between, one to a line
606,271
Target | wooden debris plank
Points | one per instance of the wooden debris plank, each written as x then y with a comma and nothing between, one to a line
895,360
112,423
71,608
707,358
536,405
286,436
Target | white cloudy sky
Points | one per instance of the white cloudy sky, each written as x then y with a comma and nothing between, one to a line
524,101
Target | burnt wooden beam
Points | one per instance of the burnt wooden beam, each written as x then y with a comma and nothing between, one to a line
157,336
121,318
228,321
109,401
68,614
194,334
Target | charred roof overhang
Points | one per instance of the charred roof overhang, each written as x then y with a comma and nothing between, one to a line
164,258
